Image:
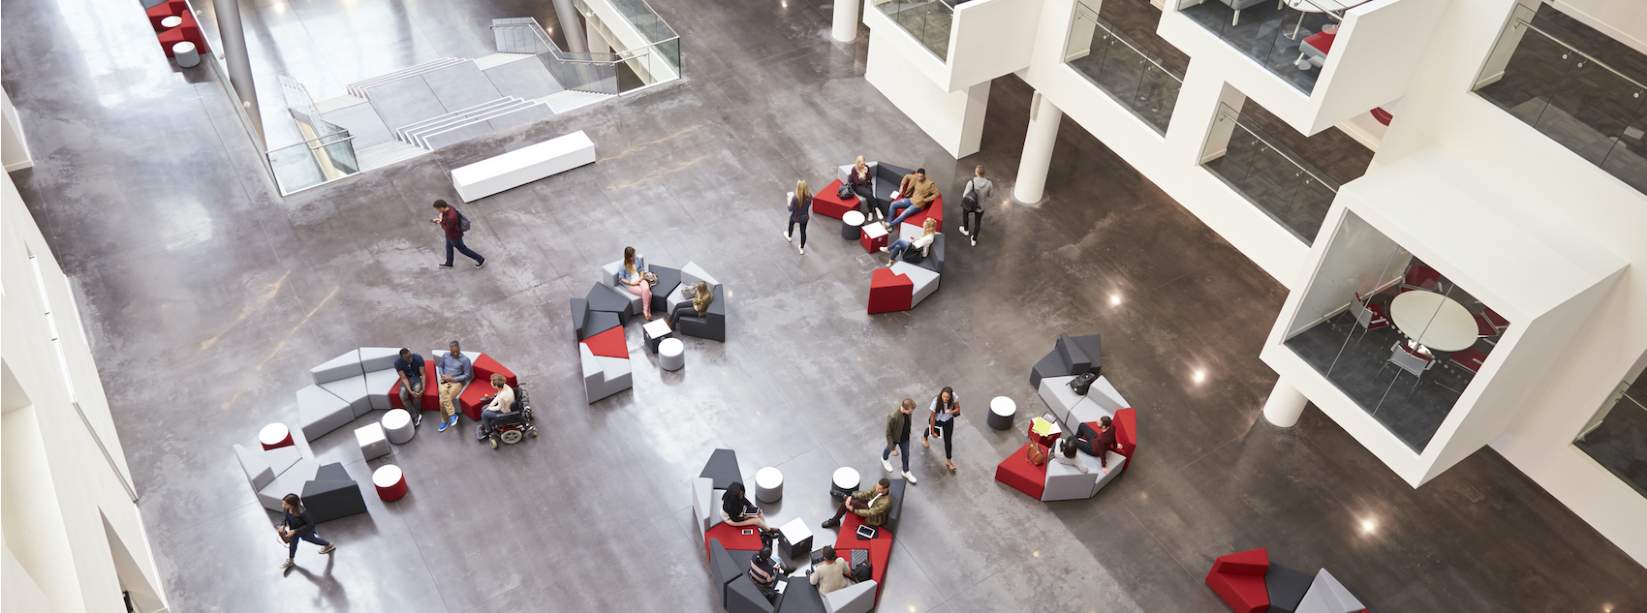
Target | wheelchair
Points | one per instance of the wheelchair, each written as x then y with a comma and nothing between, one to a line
516,425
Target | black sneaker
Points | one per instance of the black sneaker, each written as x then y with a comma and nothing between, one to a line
830,523
480,264
445,265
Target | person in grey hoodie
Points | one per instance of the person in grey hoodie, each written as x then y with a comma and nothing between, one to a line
972,208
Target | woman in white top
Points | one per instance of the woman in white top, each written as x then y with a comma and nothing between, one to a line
503,401
1063,451
940,419
929,233
972,208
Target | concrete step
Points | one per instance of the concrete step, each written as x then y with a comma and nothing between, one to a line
414,133
359,88
385,154
564,101
501,119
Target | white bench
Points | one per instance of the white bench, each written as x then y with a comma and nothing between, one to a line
522,166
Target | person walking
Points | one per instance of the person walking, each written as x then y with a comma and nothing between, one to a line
940,420
409,367
294,527
972,209
455,224
800,212
897,437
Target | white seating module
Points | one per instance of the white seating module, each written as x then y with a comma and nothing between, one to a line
522,166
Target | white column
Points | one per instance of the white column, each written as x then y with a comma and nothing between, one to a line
568,19
1044,118
240,66
1285,405
846,21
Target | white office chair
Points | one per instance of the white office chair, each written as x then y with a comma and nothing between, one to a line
1413,363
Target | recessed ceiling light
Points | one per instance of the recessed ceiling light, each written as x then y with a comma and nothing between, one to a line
1369,525
1199,376
1115,299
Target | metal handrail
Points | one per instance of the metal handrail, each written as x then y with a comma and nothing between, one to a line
1529,25
531,24
107,457
1100,23
1225,112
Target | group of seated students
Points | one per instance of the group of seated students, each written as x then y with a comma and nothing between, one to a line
1086,440
833,572
638,280
915,192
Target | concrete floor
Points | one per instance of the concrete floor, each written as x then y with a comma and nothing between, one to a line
189,267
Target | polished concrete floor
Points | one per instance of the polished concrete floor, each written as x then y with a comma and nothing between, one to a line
183,256
1619,442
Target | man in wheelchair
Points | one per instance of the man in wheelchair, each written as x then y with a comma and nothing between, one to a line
506,416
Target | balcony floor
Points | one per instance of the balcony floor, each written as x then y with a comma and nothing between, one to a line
1264,35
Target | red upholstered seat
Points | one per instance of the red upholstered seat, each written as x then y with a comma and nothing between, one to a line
934,211
469,402
1017,472
191,31
163,10
879,548
889,291
1238,580
172,37
1470,359
1382,116
1126,432
732,538
1322,41
431,386
485,367
609,344
827,201
870,245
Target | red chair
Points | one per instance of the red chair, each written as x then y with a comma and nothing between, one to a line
1498,323
829,203
889,291
1469,359
1017,472
1420,276
1238,580
1368,315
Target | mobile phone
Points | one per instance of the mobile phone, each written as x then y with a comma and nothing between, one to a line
746,532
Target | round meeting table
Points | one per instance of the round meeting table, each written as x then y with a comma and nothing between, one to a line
1318,6
1433,320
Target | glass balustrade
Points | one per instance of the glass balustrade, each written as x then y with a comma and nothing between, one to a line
1290,192
1570,96
929,21
300,166
1117,66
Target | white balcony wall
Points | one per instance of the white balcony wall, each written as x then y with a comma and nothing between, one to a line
1170,162
987,40
1379,46
65,507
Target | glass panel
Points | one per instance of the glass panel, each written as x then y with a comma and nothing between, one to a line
295,168
1568,95
1117,66
928,21
1294,195
1289,37
1616,437
1395,335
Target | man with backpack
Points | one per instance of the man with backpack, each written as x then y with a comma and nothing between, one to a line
455,224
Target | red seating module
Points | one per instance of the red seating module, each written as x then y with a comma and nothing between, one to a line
609,344
879,548
1017,472
934,211
1238,580
827,201
889,291
485,367
732,538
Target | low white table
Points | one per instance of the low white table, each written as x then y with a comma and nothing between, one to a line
655,331
794,537
1434,320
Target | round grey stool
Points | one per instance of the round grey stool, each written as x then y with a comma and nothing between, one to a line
186,55
850,223
768,485
397,425
671,354
1001,412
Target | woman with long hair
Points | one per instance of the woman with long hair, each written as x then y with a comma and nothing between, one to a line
701,295
800,212
633,277
900,248
737,511
295,526
940,420
861,180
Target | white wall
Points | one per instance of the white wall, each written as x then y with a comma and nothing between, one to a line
1170,162
14,150
1623,20
1376,52
59,489
955,120
987,40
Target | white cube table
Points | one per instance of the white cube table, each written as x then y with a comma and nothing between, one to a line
373,443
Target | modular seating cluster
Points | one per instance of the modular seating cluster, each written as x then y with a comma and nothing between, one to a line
1247,582
905,284
598,319
188,30
327,490
364,380
885,179
1052,481
729,551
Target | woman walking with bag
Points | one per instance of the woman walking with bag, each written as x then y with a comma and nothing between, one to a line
800,212
972,208
940,420
297,527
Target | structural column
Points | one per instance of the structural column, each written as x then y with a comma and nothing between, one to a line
846,21
1044,118
240,66
1286,404
568,18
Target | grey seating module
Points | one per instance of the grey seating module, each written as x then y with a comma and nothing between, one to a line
1287,587
289,482
353,391
378,358
256,465
743,597
856,598
332,494
712,324
722,467
896,491
801,597
722,569
1070,355
1327,595
320,412
341,367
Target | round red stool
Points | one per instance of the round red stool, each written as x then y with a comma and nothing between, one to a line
275,435
390,482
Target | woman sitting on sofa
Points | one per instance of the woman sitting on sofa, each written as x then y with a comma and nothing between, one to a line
901,247
635,278
701,297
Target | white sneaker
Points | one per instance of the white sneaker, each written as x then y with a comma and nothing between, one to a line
786,237
974,242
909,477
803,250
963,231
883,249
887,465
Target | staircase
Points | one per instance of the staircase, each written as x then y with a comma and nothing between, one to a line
478,120
359,88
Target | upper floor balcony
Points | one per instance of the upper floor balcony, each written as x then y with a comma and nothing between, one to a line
1314,63
1574,85
958,43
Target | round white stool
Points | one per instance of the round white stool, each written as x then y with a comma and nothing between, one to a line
768,485
1001,412
171,22
186,55
850,222
671,354
274,435
845,481
397,425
